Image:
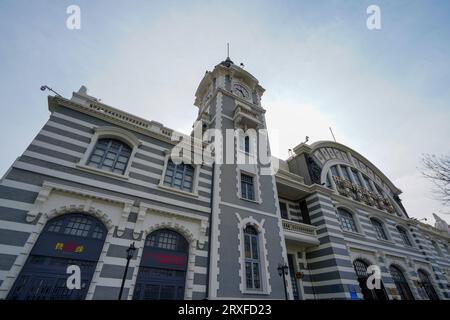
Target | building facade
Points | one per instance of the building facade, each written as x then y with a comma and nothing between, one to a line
96,179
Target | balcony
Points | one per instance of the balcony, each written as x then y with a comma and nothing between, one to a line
246,116
304,234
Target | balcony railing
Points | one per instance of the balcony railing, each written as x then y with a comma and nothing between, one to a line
349,189
244,115
301,232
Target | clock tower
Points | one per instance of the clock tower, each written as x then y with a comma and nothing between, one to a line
246,245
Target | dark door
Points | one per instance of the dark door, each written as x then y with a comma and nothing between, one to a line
162,273
73,239
368,294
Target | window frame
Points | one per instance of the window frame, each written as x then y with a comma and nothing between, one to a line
195,179
263,255
247,188
401,283
107,148
354,222
407,243
285,204
107,132
381,225
252,260
186,170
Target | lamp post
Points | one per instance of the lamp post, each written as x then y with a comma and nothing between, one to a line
130,253
283,271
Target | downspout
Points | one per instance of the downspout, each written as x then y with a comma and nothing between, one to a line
210,231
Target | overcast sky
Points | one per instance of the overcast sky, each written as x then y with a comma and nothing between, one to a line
384,92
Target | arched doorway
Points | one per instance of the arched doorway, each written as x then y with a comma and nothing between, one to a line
400,283
162,273
368,294
72,239
426,285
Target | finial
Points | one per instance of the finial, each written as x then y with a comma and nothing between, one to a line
228,50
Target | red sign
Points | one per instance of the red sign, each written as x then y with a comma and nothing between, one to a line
69,247
166,259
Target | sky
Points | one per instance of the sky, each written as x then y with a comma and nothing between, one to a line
385,93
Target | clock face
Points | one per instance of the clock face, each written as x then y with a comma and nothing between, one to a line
240,91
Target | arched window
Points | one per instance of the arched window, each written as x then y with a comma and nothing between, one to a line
404,235
400,283
180,176
70,239
426,285
346,220
368,294
111,155
168,240
252,259
379,229
247,144
163,267
79,225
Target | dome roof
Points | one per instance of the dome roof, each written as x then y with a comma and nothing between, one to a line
227,62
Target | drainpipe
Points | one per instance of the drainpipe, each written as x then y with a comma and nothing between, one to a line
210,231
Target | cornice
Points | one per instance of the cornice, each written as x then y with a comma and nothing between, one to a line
123,119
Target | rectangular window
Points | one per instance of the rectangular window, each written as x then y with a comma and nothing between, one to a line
247,187
284,211
247,144
244,143
179,176
252,265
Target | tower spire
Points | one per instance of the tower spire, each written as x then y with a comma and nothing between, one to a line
227,62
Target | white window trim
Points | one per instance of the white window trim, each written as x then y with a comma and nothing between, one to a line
240,136
359,229
385,225
408,234
264,263
175,223
256,186
193,193
113,133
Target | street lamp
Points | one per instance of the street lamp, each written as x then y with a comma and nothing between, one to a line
283,271
130,253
